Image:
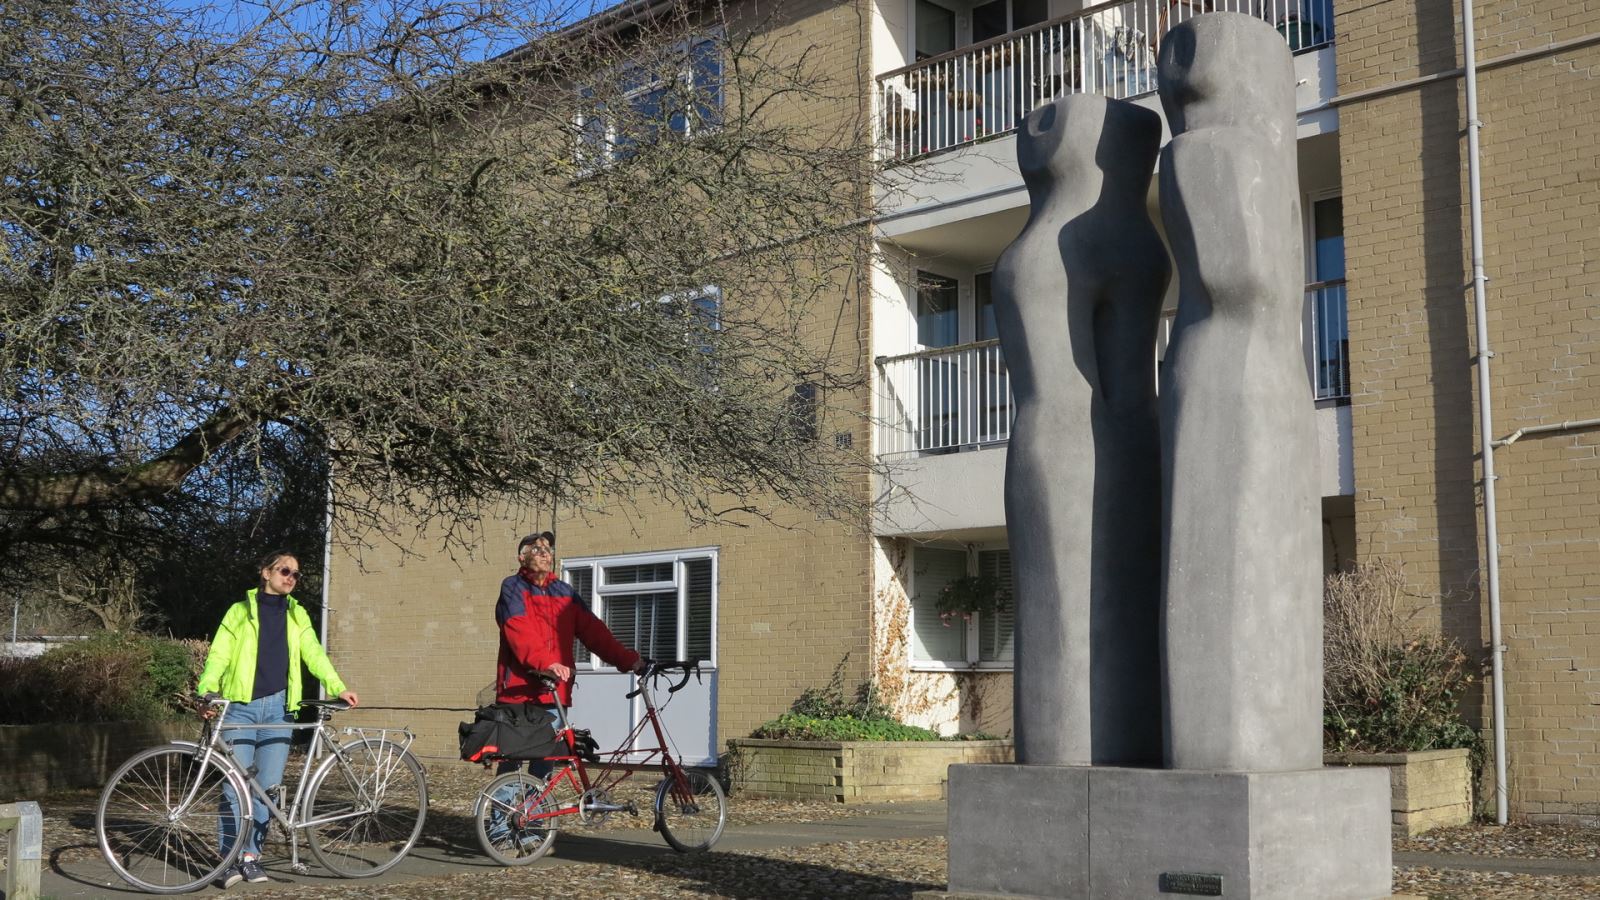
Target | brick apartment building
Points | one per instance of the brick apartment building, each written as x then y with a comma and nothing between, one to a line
1390,348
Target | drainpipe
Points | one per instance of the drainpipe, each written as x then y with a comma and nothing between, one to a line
1485,422
327,560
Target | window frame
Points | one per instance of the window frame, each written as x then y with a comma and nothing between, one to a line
604,151
974,651
679,583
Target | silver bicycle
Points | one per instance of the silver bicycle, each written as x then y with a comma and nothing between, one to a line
166,824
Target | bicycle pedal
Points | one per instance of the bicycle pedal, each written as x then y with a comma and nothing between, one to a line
300,868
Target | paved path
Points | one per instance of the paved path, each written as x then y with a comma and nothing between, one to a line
79,871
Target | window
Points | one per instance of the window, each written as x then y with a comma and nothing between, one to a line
684,96
936,29
998,17
938,306
663,604
983,304
985,641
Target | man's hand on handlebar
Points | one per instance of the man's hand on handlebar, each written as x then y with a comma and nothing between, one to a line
559,672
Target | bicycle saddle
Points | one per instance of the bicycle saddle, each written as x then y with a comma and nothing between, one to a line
324,704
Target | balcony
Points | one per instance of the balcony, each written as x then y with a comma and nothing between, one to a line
959,398
986,89
942,400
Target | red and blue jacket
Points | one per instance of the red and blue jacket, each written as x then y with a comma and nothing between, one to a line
538,617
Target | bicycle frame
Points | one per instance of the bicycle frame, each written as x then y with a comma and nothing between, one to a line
572,768
217,752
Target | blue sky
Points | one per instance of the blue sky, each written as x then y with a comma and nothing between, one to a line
239,15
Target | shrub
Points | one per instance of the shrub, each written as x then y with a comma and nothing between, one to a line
824,714
829,702
1388,687
797,727
110,677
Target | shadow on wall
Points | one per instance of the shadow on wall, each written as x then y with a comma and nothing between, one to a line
1450,345
39,759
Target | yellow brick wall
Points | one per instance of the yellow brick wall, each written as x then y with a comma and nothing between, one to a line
1403,160
418,630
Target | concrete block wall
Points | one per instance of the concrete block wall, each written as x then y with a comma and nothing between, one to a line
856,771
1428,789
1403,161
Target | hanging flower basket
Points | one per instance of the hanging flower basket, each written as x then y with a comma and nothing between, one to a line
969,594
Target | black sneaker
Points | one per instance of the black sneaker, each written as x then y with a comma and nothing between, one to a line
231,877
253,872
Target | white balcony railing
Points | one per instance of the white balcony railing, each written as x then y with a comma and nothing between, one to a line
952,398
943,399
987,88
1330,340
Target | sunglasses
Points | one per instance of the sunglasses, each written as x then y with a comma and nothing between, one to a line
288,572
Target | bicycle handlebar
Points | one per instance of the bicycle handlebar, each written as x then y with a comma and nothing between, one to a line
654,668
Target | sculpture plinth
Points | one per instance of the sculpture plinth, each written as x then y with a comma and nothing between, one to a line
1107,833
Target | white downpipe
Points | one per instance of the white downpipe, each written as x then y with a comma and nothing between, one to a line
1491,531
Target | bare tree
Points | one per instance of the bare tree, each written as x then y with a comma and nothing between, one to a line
588,268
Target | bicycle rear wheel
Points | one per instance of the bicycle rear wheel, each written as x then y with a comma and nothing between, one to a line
500,818
164,823
692,813
365,808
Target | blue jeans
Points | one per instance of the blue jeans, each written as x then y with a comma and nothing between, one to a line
267,749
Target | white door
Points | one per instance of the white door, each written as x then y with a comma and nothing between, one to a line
664,606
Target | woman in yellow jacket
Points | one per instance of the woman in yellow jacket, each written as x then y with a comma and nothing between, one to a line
255,662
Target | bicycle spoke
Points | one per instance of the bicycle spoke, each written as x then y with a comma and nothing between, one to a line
502,819
366,809
691,810
147,833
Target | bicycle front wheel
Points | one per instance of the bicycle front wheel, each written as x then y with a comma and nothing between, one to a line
167,824
500,816
691,812
365,808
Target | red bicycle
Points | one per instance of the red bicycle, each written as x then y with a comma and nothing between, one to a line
516,815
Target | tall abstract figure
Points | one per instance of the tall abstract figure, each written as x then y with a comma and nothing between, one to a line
1077,302
1242,628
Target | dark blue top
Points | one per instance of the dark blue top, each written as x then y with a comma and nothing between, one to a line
272,650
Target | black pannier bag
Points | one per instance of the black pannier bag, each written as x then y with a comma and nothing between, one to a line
510,731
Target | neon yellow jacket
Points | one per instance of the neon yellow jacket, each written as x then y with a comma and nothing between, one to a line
231,664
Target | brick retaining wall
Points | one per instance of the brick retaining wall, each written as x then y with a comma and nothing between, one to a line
1428,789
855,771
38,759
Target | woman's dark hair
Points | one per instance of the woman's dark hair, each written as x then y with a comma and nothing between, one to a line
266,561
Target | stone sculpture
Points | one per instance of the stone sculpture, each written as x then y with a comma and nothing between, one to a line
1244,808
1077,301
1242,615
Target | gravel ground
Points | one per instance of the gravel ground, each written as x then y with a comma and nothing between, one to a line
1460,884
1526,841
890,868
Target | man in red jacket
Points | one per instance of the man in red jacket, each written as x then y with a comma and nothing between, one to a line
539,615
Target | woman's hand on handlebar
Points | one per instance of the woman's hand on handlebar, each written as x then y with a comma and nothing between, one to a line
206,704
